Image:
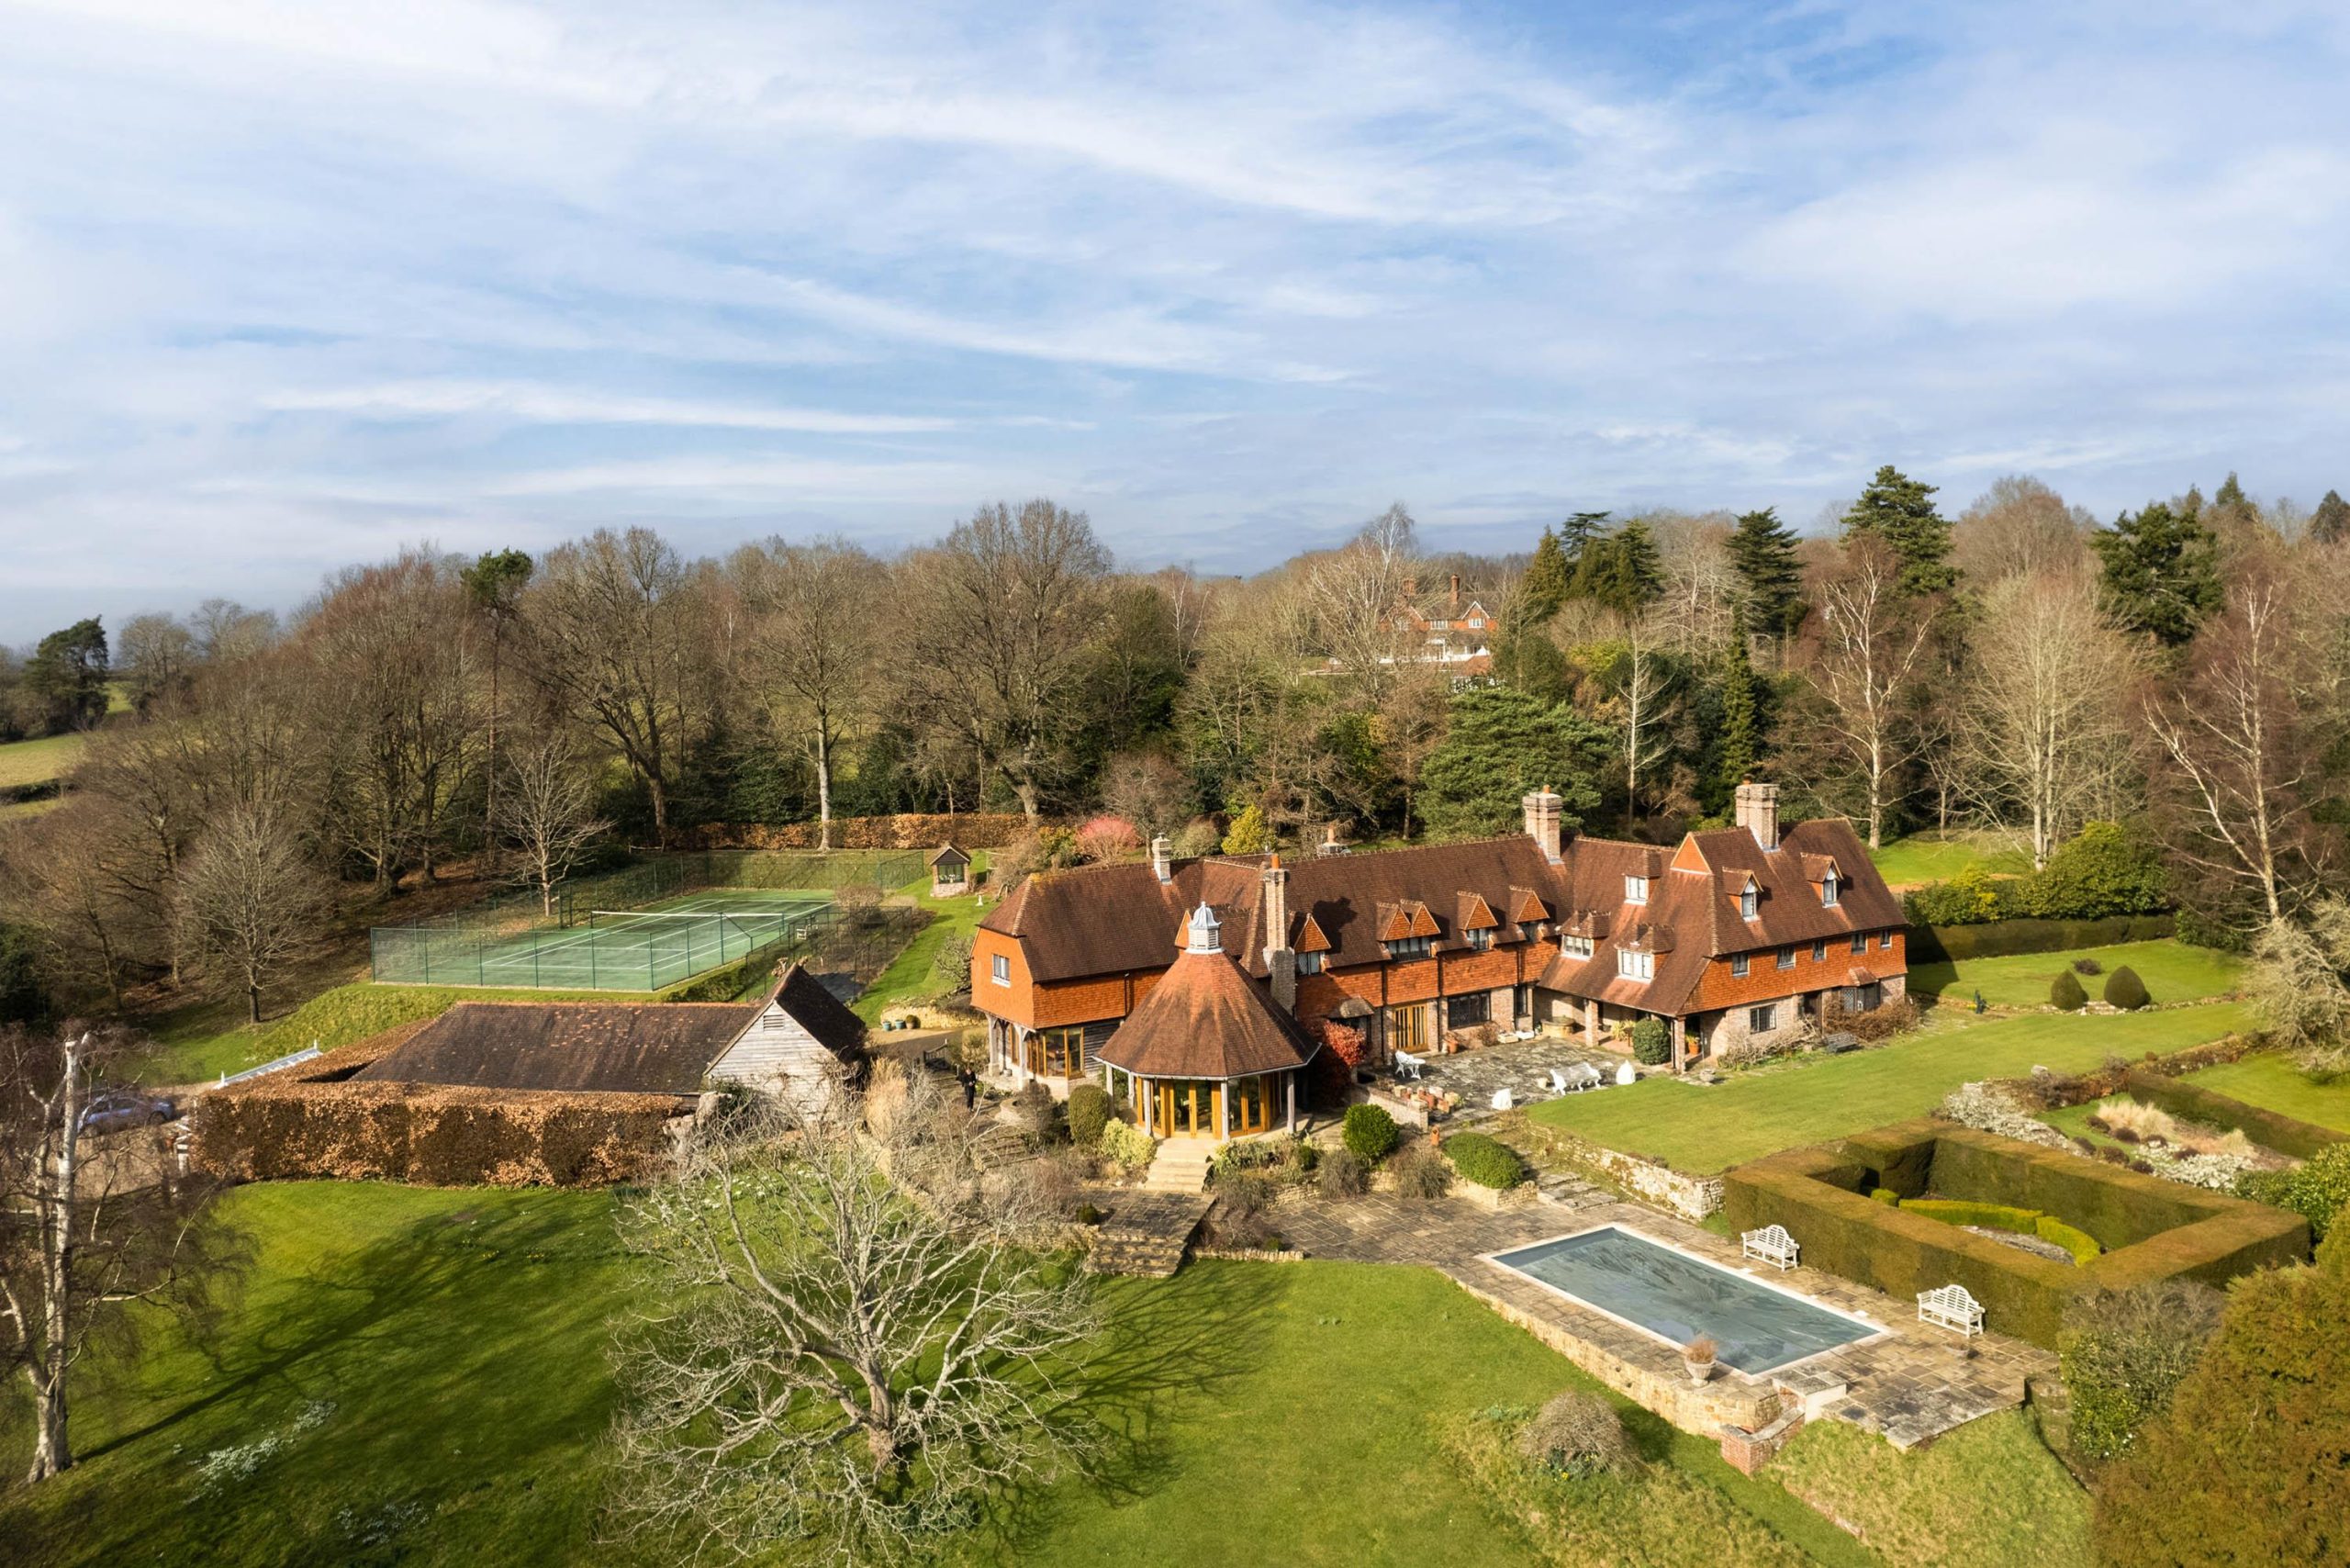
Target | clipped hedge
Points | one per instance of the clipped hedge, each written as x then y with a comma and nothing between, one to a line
730,980
1960,1211
2155,1229
2079,1243
2124,990
312,1122
2270,1130
1089,1110
2001,938
1369,1133
1485,1160
2065,992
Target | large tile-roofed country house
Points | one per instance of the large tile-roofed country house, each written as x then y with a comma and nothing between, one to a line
1739,934
800,1039
1448,630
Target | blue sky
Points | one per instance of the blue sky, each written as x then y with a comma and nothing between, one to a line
286,286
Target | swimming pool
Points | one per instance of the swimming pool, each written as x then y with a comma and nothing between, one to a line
1676,1297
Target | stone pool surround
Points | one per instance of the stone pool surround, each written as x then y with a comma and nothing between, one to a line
1912,1385
2152,1229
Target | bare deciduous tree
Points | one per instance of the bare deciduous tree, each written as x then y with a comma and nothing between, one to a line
2240,739
999,612
2019,527
1872,642
614,629
2295,982
250,899
810,645
546,813
847,1358
2043,726
88,1231
1353,594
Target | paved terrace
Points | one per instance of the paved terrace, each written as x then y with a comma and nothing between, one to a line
1523,1067
1910,1386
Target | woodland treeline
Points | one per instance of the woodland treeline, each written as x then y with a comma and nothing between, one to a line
2020,665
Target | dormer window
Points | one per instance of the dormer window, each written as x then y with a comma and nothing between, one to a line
1750,902
1636,889
1575,946
1408,948
1481,940
1828,889
1635,965
1309,963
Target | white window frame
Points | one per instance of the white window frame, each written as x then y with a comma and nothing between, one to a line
1636,889
1750,904
1630,964
1884,941
1828,890
1000,968
1577,946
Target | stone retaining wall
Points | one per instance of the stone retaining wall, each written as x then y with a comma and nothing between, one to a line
1692,1197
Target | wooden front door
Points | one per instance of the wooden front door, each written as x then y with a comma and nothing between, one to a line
1186,1108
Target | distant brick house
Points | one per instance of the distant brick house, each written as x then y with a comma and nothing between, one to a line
1739,934
1450,630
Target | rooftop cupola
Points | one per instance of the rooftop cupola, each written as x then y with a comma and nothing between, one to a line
1207,934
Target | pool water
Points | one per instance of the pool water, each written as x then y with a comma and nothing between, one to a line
1678,1297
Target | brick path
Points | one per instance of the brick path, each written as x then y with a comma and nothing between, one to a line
1912,1385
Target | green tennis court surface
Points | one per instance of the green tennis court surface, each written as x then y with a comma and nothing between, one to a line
636,949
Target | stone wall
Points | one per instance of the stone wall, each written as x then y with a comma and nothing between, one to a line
1692,1197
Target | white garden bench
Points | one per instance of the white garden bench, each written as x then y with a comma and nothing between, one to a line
1772,1244
1950,1307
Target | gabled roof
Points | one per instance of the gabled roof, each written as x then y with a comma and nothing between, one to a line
947,853
1473,913
1206,1019
657,1048
810,1003
1404,919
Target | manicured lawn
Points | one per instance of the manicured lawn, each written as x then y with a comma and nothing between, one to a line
37,762
430,1367
2271,1081
1701,1129
2173,972
1989,1493
1930,857
909,976
195,1046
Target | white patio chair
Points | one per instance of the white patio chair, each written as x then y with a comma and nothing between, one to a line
1503,1099
1772,1244
1408,1066
1558,1081
1950,1307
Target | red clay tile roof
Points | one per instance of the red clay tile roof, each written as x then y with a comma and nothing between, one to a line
654,1049
1112,919
1206,1019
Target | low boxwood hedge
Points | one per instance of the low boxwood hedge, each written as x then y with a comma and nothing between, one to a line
2001,938
1486,1161
2155,1229
1960,1211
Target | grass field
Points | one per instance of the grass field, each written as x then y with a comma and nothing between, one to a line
1702,1130
2173,972
426,1371
1931,857
38,761
1987,1494
2272,1083
909,976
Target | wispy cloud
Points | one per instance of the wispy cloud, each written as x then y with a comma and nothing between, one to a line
281,285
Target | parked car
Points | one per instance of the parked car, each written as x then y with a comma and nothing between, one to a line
119,1108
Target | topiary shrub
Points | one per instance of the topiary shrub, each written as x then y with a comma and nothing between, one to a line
1485,1160
2246,1464
2067,992
2087,967
1651,1042
2123,1352
2124,990
1089,1112
1420,1171
1341,1175
1578,1433
1369,1133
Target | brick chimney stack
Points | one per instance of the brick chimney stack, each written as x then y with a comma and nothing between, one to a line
1281,959
1456,593
1162,864
1758,812
1543,810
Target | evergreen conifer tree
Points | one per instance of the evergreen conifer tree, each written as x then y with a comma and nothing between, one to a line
1899,512
1763,550
2161,571
1623,570
2230,493
2330,524
1547,582
1739,744
1578,533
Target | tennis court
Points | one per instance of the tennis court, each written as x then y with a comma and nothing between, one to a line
615,949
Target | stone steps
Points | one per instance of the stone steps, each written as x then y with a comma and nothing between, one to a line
1180,1165
1146,1233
